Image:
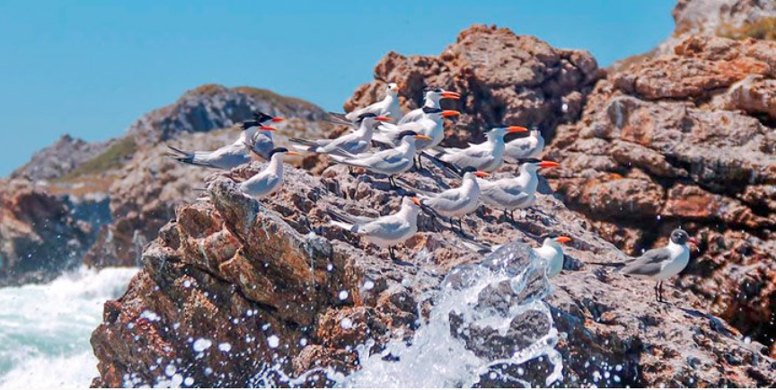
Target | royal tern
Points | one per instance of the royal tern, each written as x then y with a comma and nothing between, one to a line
388,162
386,231
487,156
524,148
454,202
516,192
430,124
662,263
551,254
389,106
269,180
232,155
355,142
431,99
262,138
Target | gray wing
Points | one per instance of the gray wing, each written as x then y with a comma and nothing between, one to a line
386,227
472,157
648,264
226,157
263,144
350,143
411,116
449,200
520,148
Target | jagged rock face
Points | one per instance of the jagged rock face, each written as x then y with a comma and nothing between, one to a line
59,159
503,79
707,16
40,234
679,140
211,107
234,291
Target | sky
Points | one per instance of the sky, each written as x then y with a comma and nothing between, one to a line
90,68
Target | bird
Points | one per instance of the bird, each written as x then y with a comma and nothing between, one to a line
355,142
262,138
551,254
388,162
454,202
386,231
487,156
660,264
269,180
430,124
514,193
525,147
431,98
234,154
389,106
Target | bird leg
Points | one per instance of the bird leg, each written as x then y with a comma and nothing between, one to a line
390,252
391,182
420,164
659,292
452,224
460,224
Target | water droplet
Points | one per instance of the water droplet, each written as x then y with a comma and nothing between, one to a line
202,344
224,347
273,341
343,295
368,285
346,323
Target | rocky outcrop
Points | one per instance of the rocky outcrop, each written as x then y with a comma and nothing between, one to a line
236,292
59,159
503,78
686,139
212,106
41,234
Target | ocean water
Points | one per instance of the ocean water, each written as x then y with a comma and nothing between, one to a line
45,328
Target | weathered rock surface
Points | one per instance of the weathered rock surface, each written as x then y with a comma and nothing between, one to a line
288,292
59,159
503,79
678,140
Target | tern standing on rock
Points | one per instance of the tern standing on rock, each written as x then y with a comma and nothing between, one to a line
524,148
430,124
270,179
387,231
355,142
487,156
254,132
455,202
389,162
389,106
662,263
551,254
516,192
431,99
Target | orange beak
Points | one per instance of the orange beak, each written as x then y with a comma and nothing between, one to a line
548,164
415,200
451,95
268,128
425,137
516,129
563,239
395,89
278,119
293,153
481,174
447,113
383,118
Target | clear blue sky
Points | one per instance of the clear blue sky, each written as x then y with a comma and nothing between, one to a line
89,68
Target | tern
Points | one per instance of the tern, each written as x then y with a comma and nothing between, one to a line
524,148
356,142
487,156
389,162
389,106
387,231
516,192
662,263
431,99
255,132
551,254
430,124
454,202
269,180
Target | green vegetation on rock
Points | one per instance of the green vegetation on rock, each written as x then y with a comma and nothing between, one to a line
111,158
764,29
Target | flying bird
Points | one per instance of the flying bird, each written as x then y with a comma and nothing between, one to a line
387,231
487,156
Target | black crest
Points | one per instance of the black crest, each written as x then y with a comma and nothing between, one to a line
277,150
406,133
248,124
528,160
261,117
366,115
429,110
468,169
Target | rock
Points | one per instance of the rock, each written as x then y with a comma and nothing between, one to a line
525,82
678,140
59,159
298,300
41,234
